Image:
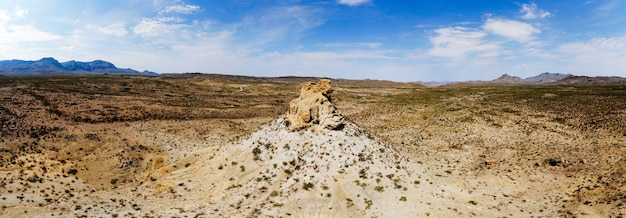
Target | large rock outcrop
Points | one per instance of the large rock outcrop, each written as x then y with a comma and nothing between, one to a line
314,107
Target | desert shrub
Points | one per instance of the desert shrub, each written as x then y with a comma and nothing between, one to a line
35,178
368,203
274,194
256,151
379,188
307,186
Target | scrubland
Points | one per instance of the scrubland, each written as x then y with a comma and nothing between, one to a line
117,146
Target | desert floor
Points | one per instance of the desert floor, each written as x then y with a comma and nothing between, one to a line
183,146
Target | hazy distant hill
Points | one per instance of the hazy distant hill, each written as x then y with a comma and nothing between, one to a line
547,77
557,78
506,78
50,66
591,80
542,78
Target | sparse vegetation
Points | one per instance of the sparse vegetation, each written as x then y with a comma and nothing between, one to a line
572,133
368,203
307,186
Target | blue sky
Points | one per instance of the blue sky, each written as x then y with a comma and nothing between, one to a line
400,40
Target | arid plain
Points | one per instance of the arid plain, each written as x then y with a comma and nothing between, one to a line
184,146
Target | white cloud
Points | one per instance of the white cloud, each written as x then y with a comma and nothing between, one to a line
597,56
531,11
20,12
596,47
114,29
24,33
516,30
12,33
279,24
4,16
459,42
183,9
353,2
152,27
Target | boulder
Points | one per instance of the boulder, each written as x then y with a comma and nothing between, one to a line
314,107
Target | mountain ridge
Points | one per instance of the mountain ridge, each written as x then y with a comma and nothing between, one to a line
50,66
556,78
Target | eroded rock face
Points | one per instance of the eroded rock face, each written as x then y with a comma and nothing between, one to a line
314,107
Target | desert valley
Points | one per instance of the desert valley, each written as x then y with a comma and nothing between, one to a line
201,145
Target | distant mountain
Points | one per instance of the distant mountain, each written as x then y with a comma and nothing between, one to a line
557,78
506,78
543,78
547,77
586,80
50,66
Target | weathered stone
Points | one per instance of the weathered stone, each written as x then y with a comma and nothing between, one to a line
314,107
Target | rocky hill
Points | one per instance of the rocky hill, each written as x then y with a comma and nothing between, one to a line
50,66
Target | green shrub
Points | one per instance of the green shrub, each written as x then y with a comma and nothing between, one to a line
379,188
307,186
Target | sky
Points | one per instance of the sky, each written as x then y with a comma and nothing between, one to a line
399,40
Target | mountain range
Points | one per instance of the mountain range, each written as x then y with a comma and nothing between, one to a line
557,78
539,79
50,66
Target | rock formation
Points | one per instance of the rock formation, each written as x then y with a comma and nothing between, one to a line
314,107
